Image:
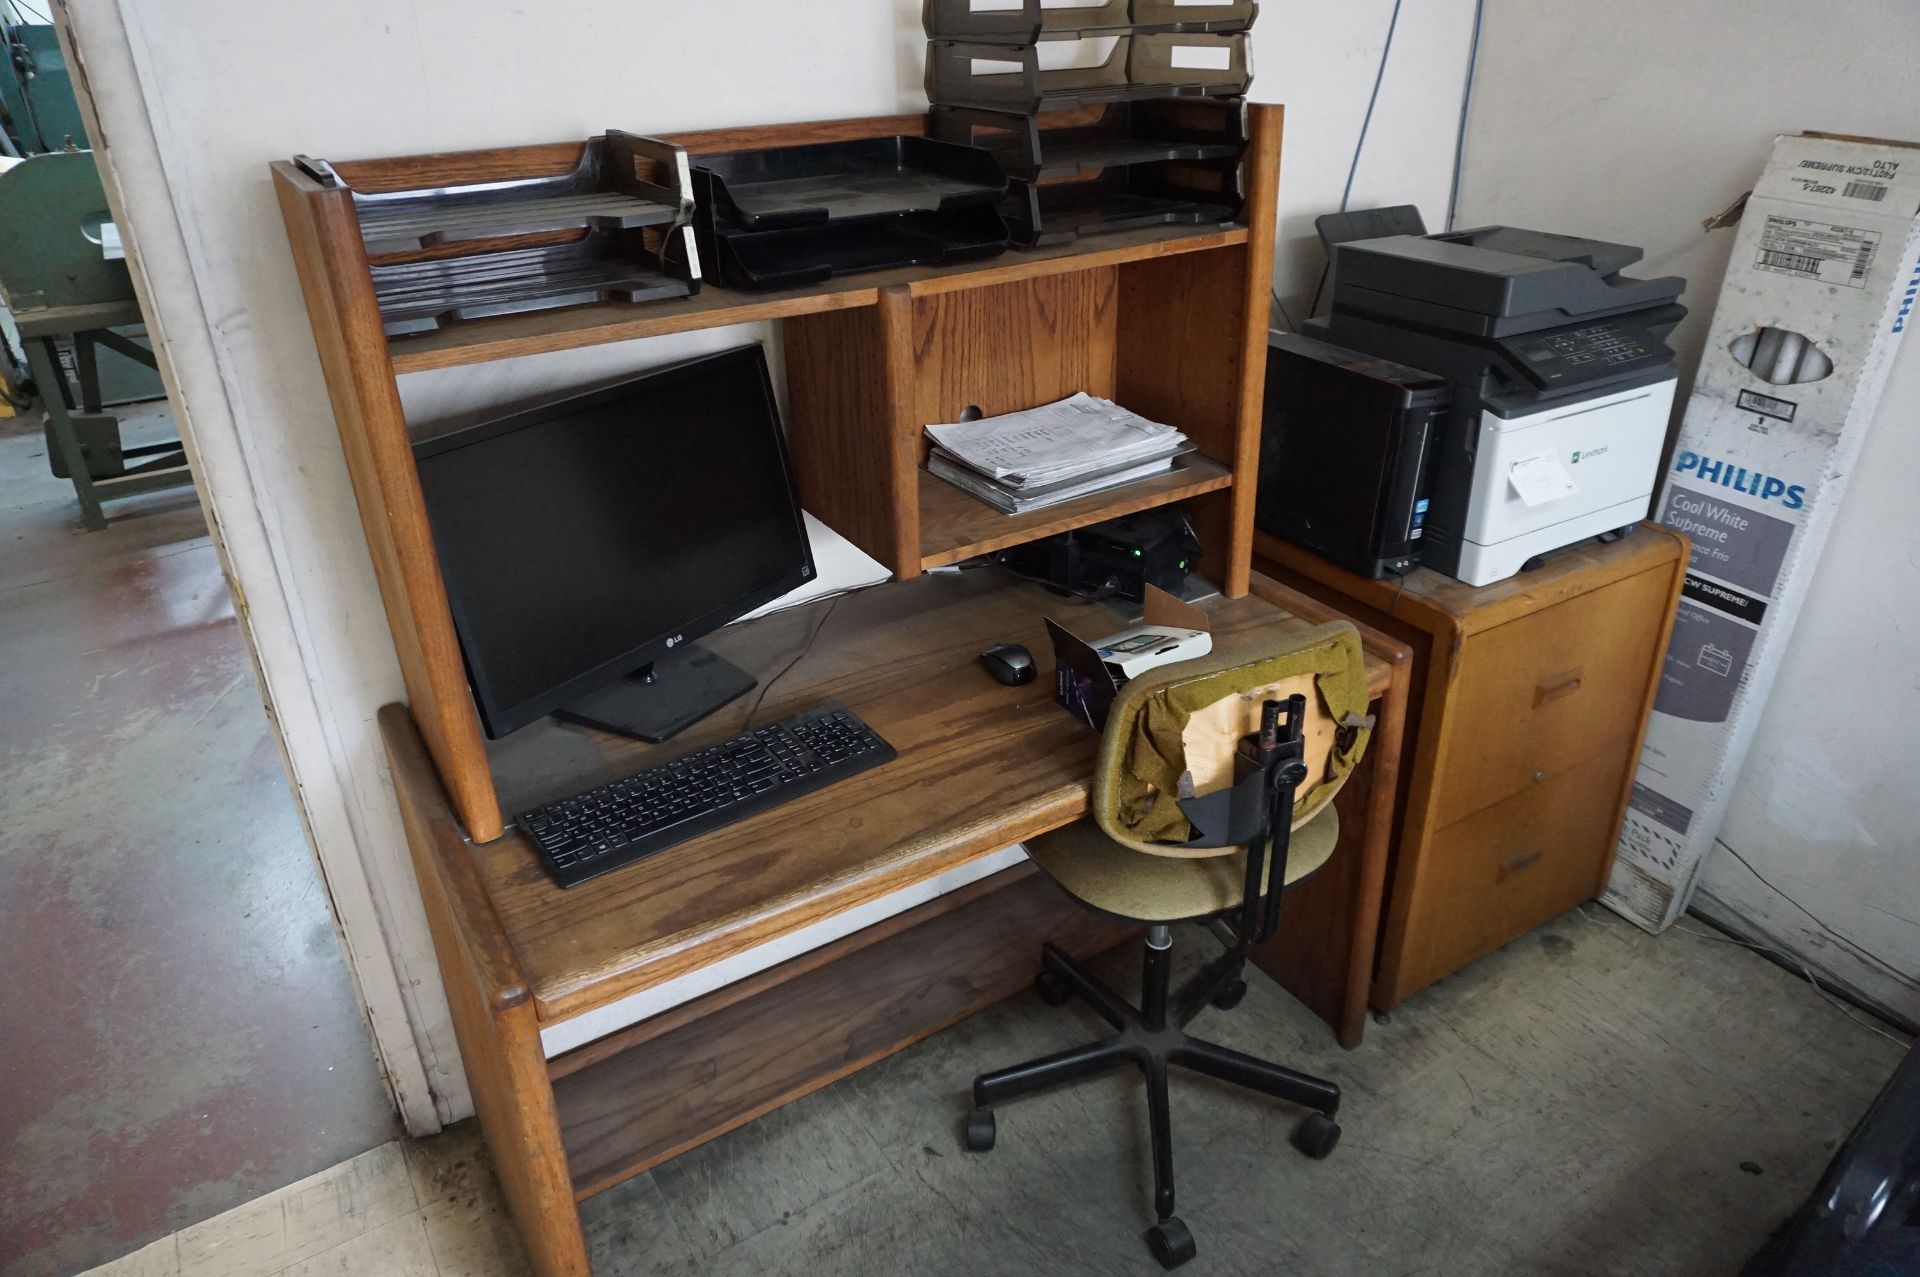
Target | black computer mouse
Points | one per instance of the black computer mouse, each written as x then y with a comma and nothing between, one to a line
1009,663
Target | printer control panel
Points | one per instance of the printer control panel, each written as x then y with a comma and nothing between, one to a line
1561,357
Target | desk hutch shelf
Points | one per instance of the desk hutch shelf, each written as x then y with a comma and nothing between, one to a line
1169,321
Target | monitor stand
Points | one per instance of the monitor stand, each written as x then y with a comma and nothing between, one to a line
659,700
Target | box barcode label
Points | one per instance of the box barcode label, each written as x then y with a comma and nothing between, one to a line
1767,405
1819,251
1791,262
1864,191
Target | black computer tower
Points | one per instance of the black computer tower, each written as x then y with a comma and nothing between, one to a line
1346,452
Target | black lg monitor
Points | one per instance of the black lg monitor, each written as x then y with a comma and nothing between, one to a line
588,543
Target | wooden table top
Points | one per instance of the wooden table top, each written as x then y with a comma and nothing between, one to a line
1434,601
58,321
980,766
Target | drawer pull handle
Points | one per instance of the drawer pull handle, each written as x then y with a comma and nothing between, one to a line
1563,684
1519,862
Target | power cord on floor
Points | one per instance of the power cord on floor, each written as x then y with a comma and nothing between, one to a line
1853,946
1805,970
1791,959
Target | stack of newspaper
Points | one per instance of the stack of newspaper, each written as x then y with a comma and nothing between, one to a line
1030,460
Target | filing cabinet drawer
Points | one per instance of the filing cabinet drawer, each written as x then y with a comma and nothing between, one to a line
1510,867
1540,694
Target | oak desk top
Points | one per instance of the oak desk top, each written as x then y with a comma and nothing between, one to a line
980,766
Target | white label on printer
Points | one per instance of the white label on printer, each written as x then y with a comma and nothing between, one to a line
1540,479
1817,250
1201,57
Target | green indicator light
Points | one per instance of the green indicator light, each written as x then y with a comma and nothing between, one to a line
1138,553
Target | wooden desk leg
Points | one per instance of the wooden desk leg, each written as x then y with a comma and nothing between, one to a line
1330,924
494,1017
514,1099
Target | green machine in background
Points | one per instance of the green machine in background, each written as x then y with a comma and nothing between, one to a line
60,281
37,106
63,280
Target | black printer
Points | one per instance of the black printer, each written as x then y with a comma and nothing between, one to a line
1562,381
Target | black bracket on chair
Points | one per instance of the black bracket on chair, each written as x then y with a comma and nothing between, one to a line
1257,811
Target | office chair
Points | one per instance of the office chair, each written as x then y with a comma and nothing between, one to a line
1214,792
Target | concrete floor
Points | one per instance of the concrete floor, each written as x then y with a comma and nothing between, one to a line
1588,1101
177,1030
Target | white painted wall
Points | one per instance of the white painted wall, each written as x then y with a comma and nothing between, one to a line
1632,121
1320,60
196,99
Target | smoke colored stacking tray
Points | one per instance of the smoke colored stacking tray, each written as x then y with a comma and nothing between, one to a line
1073,142
784,217
1142,124
1028,20
1176,193
998,77
488,248
418,297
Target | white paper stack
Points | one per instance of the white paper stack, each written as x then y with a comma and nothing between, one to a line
1043,456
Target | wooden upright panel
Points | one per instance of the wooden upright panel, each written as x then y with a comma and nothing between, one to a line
848,386
1010,346
332,262
1193,352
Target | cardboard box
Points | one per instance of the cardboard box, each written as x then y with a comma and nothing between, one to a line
1821,284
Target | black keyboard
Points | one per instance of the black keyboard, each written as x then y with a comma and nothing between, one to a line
586,835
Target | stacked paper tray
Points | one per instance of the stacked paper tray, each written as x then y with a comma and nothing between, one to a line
1027,21
1167,193
417,297
784,217
603,191
1140,123
472,250
1012,78
1073,142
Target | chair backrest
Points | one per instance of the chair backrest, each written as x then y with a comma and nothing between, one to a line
1173,732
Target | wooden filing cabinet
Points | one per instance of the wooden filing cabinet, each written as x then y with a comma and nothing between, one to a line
1529,700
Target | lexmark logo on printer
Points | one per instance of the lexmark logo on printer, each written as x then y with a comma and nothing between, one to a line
1740,479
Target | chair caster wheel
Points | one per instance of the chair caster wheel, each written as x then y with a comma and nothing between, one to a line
1229,998
1170,1242
979,1133
1052,989
1317,1136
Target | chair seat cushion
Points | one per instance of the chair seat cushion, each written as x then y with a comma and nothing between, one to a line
1116,880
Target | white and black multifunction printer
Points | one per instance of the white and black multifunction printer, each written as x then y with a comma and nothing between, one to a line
1563,383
